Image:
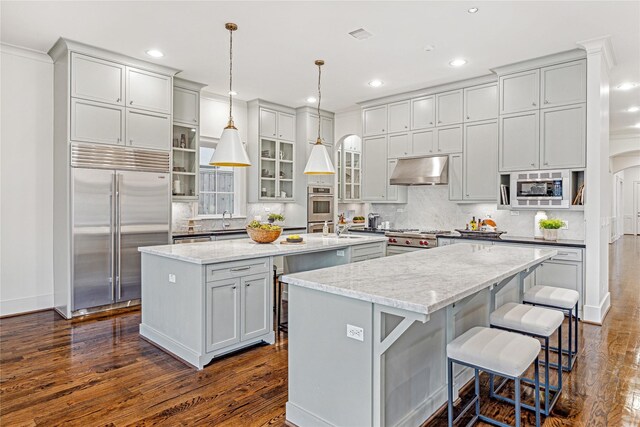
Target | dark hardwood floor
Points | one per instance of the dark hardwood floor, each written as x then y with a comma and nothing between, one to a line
97,371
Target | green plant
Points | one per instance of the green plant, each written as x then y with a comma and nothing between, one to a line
551,223
358,218
261,226
275,217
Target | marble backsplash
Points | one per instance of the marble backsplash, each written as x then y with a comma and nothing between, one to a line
429,207
181,212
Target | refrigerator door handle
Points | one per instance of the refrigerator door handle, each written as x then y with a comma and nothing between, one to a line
119,238
112,231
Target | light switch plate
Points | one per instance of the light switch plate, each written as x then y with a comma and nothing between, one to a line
355,332
172,278
565,226
515,213
340,253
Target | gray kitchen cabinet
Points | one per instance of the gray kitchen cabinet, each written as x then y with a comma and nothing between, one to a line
276,124
326,129
286,126
97,122
96,79
185,106
455,176
148,130
222,306
481,102
563,84
392,190
254,306
399,145
423,112
563,137
374,161
520,92
480,172
147,90
268,119
423,142
398,116
448,140
519,143
368,251
449,108
374,120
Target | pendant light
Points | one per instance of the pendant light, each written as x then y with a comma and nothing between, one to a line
230,151
319,162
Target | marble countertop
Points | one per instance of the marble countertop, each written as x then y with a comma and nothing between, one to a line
423,281
239,249
185,233
522,239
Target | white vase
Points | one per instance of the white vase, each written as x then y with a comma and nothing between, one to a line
550,233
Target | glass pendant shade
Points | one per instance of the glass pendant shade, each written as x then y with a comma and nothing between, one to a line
230,150
319,162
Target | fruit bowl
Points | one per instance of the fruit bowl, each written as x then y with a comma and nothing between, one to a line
294,239
263,236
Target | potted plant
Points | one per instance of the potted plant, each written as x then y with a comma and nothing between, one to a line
358,220
550,228
263,233
274,217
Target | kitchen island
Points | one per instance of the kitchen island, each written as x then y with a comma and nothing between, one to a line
378,355
203,300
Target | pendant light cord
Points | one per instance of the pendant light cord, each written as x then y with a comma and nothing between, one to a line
319,98
230,75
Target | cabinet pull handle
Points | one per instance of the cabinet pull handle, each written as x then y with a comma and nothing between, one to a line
195,120
439,121
546,102
131,141
546,163
130,102
233,287
248,267
118,100
532,164
405,126
533,103
467,117
563,253
382,130
430,123
118,139
248,284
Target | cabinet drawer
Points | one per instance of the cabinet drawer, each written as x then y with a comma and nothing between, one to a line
236,269
366,250
566,254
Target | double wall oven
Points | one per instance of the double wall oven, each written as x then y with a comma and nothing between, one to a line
320,208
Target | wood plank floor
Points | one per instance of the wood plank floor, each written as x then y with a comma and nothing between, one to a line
97,371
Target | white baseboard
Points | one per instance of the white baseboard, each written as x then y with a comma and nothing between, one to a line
596,313
25,305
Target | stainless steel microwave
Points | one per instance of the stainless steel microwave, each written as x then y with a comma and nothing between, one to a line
540,189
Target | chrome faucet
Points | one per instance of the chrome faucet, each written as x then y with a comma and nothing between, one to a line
342,228
226,224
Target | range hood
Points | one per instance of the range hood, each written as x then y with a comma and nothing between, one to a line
421,171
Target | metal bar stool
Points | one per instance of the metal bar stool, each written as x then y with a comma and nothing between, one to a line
565,300
496,352
538,323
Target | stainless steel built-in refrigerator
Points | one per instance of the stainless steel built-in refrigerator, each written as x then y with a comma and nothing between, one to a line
114,211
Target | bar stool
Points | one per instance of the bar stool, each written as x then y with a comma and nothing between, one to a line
496,352
538,323
565,300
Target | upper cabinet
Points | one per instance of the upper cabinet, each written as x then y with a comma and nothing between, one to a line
480,172
520,92
519,141
148,91
399,117
374,120
185,106
275,124
268,123
423,112
563,137
97,79
563,84
97,122
148,130
481,102
449,108
286,126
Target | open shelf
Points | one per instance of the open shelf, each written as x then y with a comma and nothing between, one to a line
576,186
504,181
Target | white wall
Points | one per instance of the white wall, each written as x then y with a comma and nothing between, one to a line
26,181
628,214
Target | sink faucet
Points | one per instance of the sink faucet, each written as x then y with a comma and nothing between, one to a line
224,223
342,228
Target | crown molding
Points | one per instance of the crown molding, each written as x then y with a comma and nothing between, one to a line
24,52
543,61
600,45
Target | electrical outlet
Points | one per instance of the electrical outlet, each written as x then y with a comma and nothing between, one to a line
565,226
339,253
267,209
515,213
355,332
399,210
172,278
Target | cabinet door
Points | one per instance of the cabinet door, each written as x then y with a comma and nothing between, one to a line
563,137
399,145
423,112
222,307
449,140
564,84
185,106
374,120
481,103
392,190
480,175
268,120
398,117
520,92
455,177
449,108
286,126
148,130
422,142
255,306
326,126
374,176
96,122
561,275
519,142
96,79
149,91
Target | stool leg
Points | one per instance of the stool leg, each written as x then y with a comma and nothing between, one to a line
279,306
491,385
537,391
546,375
450,391
477,393
518,409
559,358
576,324
570,340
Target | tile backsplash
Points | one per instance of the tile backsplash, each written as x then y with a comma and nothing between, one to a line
181,212
429,207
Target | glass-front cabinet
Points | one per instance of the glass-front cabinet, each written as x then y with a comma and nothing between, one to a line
276,169
350,170
184,167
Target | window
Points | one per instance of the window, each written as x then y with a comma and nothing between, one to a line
216,186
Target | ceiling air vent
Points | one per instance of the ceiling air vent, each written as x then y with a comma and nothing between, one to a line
360,34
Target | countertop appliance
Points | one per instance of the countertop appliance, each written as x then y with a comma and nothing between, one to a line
320,207
120,200
410,240
373,220
540,189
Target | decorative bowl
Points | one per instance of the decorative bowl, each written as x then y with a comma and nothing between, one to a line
290,240
263,236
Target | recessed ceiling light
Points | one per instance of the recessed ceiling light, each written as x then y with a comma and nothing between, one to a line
633,109
473,10
233,93
626,86
155,53
360,34
637,125
429,47
458,62
311,99
375,83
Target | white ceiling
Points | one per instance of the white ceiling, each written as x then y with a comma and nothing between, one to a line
277,42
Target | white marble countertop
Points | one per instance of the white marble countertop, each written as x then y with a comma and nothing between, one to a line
239,249
423,281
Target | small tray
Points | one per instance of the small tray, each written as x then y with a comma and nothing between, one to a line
480,234
296,242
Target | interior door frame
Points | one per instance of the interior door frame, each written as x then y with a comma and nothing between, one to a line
636,207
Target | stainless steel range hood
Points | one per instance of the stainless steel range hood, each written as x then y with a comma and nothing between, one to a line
421,171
